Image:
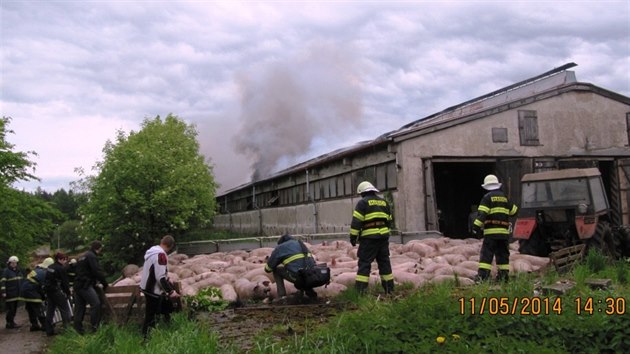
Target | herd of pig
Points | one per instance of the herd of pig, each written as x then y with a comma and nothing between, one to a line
240,275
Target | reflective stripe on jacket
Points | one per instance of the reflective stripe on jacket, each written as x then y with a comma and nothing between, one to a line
291,255
10,283
371,217
493,214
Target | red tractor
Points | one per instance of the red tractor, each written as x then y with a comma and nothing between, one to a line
564,208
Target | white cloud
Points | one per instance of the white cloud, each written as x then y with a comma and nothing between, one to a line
80,70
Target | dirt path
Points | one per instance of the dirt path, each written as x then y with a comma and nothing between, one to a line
239,326
22,340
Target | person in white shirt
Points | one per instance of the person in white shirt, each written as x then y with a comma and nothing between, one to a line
157,288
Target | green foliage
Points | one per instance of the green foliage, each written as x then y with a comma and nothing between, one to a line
209,299
180,336
67,234
595,260
439,318
150,183
14,166
435,318
25,222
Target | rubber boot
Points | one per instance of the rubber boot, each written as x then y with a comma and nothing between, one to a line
388,286
361,287
482,275
503,276
282,292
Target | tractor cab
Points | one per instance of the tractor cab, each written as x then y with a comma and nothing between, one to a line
560,209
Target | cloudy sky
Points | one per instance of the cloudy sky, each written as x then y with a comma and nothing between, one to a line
272,83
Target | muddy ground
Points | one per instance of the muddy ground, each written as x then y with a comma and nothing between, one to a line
240,325
22,340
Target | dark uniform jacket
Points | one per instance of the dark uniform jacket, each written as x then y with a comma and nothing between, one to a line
71,272
291,255
493,215
371,218
11,282
56,279
33,286
89,271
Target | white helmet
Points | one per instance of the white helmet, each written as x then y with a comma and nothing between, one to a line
13,259
491,182
366,186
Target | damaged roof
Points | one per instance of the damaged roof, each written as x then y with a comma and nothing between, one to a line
523,92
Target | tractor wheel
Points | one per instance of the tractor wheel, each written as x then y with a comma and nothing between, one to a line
534,246
622,233
605,241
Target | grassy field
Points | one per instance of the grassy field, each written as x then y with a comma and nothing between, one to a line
513,318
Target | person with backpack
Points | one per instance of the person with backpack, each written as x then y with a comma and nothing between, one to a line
286,261
57,293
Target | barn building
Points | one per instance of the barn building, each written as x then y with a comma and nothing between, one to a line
432,168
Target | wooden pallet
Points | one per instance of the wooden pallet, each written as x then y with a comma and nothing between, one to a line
122,303
565,259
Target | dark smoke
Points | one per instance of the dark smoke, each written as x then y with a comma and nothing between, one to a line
286,105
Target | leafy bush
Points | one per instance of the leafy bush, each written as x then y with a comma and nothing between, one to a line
209,299
595,260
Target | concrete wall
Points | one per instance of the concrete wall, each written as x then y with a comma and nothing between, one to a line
575,123
331,216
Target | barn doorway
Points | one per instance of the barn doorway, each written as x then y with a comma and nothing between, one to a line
457,189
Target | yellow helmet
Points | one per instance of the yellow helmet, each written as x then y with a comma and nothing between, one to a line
366,186
47,262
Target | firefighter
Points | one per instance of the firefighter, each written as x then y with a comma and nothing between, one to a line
493,222
10,283
285,262
157,288
33,294
57,293
370,228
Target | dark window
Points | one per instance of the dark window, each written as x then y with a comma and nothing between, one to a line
392,181
381,177
340,188
347,184
499,135
528,128
628,126
333,187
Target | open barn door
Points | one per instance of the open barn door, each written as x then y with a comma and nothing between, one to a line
430,208
510,172
623,167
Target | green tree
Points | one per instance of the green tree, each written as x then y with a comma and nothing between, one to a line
25,223
25,220
67,236
14,165
150,183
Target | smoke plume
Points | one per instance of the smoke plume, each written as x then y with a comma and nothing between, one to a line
286,105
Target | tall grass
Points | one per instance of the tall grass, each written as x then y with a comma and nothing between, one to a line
180,336
434,318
